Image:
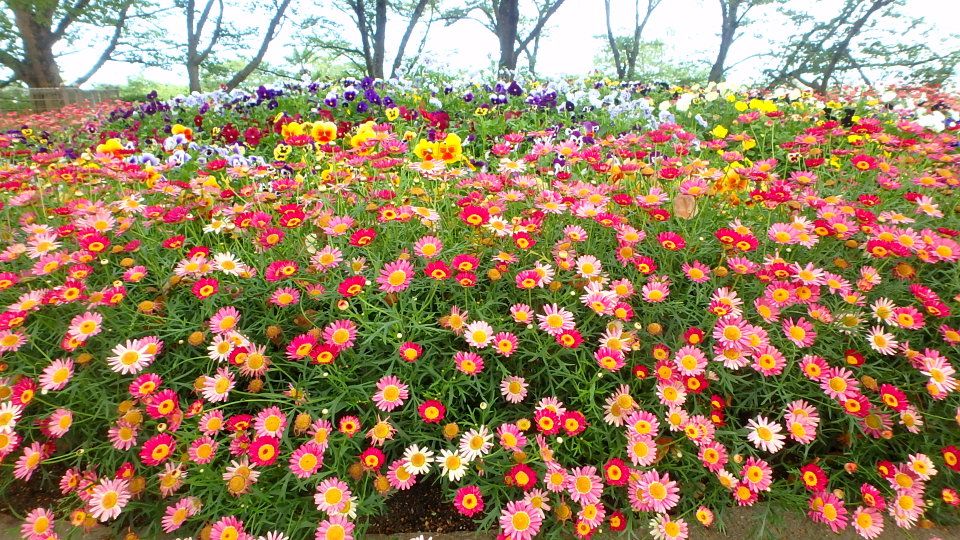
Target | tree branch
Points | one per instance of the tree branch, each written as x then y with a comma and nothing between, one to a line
68,18
111,46
414,18
540,23
267,38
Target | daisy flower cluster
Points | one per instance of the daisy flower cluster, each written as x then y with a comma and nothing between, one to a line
570,308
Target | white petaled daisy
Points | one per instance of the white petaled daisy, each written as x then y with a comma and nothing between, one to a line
476,443
882,342
882,310
452,465
479,334
417,460
765,434
129,358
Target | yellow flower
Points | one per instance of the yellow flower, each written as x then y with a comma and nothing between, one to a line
323,132
281,152
450,149
110,146
392,113
740,106
481,111
748,144
425,150
292,129
719,132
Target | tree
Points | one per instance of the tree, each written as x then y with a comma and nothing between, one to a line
32,30
656,63
371,20
733,16
824,52
624,51
504,19
198,47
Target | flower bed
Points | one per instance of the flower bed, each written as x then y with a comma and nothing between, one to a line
578,307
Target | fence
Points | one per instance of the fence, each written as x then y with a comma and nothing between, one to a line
46,99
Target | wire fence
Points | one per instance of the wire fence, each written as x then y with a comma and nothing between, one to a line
46,99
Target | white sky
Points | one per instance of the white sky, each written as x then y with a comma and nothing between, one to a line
571,42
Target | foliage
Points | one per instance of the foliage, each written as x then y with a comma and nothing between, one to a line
602,306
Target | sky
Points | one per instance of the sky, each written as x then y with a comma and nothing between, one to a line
570,45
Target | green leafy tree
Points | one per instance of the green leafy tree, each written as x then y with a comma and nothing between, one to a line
624,51
733,18
865,39
32,31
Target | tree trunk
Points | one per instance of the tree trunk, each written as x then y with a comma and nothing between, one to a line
414,19
193,76
613,43
379,39
726,40
268,36
507,16
39,67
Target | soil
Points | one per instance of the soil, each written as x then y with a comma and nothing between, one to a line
18,498
420,508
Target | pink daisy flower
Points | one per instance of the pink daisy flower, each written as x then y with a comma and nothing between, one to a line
228,528
108,498
650,492
800,332
285,296
332,495
513,388
306,460
428,247
505,343
398,476
867,521
555,320
395,276
519,520
584,485
203,450
39,523
56,375
479,334
765,435
511,437
696,272
270,422
177,513
86,325
335,527
391,393
340,334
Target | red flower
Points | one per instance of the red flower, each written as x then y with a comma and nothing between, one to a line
352,286
205,288
432,411
362,237
522,476
893,397
616,472
573,422
474,215
157,449
951,457
410,351
372,459
264,450
671,241
547,422
813,477
437,270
